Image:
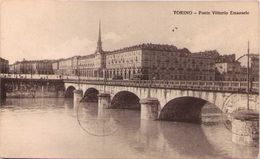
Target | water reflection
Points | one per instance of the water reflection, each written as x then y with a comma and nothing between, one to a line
32,104
188,139
52,125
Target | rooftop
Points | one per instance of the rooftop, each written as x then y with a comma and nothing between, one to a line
2,59
150,46
207,53
226,58
88,56
33,61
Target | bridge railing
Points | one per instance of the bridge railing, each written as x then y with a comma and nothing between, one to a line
227,86
29,76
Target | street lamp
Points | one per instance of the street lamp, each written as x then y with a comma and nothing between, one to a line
14,70
78,74
248,76
153,77
31,71
104,78
248,72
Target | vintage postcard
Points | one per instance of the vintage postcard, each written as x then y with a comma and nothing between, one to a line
129,79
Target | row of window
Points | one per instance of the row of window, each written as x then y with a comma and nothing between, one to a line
125,54
173,61
153,64
87,64
122,61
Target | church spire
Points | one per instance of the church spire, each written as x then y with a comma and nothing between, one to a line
99,42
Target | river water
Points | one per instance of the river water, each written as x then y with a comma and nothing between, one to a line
58,128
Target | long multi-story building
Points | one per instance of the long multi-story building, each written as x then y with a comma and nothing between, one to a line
3,65
230,69
144,61
32,67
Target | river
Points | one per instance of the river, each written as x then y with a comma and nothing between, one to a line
58,128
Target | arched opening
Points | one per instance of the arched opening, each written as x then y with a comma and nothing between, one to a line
188,109
91,95
126,100
69,92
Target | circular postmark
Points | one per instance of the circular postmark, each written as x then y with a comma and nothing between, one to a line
235,103
100,124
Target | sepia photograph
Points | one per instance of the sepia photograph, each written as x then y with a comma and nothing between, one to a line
129,79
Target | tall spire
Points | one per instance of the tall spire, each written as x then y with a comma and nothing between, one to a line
99,42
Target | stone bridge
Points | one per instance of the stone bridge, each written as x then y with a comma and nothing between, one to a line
167,100
183,102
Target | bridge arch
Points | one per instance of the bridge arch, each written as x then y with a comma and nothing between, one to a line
91,95
187,109
125,100
69,92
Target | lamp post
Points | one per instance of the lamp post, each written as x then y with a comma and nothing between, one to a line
248,76
31,71
78,71
245,124
14,70
78,74
104,78
153,77
248,73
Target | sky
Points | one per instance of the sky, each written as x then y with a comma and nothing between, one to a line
53,29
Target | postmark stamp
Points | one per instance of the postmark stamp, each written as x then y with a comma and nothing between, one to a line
234,103
100,124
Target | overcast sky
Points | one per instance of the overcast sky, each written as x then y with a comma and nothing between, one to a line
52,29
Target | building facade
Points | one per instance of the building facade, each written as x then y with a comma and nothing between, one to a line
4,65
230,69
161,62
66,66
32,67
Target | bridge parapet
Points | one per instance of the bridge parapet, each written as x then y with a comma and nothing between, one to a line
219,86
